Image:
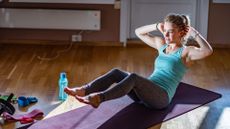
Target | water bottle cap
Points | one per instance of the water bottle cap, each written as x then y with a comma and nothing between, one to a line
63,75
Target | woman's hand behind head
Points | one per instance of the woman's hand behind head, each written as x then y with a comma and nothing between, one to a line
192,33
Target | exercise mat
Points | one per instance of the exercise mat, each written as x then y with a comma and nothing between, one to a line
123,113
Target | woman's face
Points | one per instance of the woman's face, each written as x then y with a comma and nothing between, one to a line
171,33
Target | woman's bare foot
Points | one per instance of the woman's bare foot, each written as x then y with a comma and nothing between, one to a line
92,99
75,91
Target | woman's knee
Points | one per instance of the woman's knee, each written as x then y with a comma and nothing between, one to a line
115,70
133,75
118,71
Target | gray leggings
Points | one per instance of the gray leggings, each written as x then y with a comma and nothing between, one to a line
138,88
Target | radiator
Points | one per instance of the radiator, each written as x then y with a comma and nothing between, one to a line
67,1
50,19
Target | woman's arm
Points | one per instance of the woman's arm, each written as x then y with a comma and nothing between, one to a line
160,27
153,41
204,49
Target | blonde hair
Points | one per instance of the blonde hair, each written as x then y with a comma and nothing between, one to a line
180,20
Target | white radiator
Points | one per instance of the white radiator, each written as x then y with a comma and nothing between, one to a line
68,1
50,19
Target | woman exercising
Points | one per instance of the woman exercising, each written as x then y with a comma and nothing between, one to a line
158,89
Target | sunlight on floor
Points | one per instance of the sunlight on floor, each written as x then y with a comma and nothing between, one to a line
224,122
194,117
70,104
197,116
55,102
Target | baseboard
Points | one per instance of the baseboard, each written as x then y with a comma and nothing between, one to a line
53,42
88,43
220,45
139,42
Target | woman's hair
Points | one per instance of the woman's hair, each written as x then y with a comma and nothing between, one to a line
180,20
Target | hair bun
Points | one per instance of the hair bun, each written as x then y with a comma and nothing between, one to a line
186,19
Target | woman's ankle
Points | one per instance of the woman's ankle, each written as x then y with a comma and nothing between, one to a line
95,100
80,92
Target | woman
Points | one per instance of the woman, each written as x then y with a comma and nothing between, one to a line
158,89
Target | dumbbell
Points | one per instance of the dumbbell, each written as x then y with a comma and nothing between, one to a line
6,106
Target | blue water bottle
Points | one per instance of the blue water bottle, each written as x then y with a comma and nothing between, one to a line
63,82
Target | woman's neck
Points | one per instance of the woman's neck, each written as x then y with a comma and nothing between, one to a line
174,46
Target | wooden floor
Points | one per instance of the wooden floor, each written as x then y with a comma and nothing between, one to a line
22,73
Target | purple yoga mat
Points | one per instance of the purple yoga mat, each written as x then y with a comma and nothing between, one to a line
122,113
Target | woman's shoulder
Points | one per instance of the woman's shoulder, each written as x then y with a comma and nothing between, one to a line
161,44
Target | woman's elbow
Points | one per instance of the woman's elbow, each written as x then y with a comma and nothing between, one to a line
208,52
137,32
211,51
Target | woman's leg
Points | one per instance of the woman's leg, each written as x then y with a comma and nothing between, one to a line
99,84
133,95
105,81
150,94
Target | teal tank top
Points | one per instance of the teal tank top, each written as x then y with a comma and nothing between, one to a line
168,71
